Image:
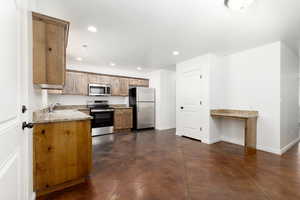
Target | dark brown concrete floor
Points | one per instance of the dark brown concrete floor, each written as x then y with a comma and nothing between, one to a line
157,165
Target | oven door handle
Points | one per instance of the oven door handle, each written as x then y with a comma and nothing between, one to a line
97,111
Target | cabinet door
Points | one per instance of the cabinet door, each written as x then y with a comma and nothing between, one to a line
49,52
115,86
122,119
144,83
39,52
62,153
124,86
139,82
120,86
55,51
76,83
99,79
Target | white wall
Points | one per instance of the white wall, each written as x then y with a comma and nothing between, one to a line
263,79
164,82
252,82
107,70
289,97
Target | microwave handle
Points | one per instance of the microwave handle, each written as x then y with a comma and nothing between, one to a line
108,90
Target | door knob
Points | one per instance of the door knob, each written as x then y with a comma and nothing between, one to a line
27,125
181,107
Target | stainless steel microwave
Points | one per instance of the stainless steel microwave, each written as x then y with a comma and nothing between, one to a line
99,90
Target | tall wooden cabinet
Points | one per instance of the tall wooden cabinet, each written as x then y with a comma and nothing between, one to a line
50,36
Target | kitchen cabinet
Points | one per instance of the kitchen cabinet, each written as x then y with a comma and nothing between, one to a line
120,86
99,79
50,36
62,155
139,82
123,119
76,83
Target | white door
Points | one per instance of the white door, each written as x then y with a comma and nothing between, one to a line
12,139
192,98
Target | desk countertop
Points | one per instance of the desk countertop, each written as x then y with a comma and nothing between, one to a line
242,114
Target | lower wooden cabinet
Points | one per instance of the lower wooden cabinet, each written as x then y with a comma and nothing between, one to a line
62,155
122,119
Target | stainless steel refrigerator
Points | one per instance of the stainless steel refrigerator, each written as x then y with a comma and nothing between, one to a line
142,100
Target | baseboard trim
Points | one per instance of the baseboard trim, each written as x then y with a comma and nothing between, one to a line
290,145
215,140
178,134
164,128
269,150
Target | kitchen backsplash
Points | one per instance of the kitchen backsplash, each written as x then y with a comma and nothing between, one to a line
82,100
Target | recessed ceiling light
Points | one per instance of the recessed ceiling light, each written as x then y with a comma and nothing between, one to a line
139,68
79,58
92,29
175,53
238,5
112,64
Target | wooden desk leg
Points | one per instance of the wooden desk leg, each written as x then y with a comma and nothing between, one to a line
250,135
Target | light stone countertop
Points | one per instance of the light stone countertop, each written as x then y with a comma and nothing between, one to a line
59,116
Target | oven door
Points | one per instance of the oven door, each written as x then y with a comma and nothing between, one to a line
102,119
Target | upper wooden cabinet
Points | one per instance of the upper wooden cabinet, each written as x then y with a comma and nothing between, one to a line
120,86
50,36
99,79
76,83
139,82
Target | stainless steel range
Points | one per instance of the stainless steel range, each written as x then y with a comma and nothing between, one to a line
103,117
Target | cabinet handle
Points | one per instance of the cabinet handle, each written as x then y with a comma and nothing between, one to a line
50,49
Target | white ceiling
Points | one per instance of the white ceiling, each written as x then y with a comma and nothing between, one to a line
144,33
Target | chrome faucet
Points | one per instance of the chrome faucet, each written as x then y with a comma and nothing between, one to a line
53,106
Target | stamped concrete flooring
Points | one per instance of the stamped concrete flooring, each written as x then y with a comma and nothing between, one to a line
158,165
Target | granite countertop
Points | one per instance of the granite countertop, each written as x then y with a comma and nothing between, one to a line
244,114
59,116
72,107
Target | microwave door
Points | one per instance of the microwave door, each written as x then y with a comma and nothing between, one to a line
97,90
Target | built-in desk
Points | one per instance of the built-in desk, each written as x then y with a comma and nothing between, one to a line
250,118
